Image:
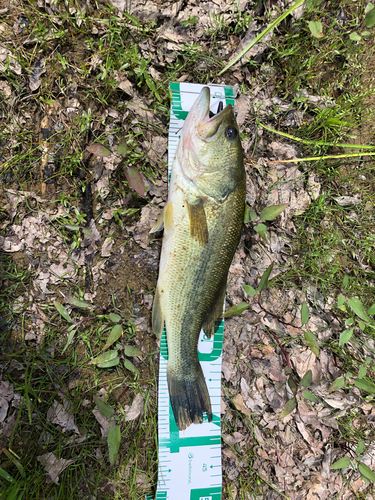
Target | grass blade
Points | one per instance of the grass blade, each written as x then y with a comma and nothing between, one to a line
115,334
114,439
315,143
264,281
262,35
343,463
289,407
324,157
236,309
63,311
6,476
312,343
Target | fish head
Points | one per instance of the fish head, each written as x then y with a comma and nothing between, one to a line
210,151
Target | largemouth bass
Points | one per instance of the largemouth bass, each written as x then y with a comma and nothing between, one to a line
202,222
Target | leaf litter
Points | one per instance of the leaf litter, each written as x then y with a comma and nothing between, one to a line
293,454
53,466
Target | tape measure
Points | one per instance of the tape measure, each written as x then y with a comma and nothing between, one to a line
190,460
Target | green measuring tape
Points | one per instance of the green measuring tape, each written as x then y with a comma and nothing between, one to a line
190,460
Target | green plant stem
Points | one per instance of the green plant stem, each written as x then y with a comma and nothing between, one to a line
315,143
315,158
262,35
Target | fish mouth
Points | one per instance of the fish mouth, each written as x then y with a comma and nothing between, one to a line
206,125
199,123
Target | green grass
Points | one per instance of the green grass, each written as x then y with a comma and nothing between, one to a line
333,249
45,380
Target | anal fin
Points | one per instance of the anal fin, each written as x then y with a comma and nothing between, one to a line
215,313
198,222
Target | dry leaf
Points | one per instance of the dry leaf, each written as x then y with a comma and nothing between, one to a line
105,423
59,414
136,408
306,360
53,465
38,70
6,395
7,55
107,246
347,201
239,404
11,244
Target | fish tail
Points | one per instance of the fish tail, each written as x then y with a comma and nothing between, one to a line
189,396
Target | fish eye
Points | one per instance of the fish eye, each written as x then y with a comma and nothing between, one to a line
231,133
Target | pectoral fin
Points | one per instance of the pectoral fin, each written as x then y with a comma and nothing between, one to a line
157,316
215,313
198,222
165,219
159,225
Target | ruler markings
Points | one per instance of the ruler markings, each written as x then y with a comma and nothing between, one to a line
183,460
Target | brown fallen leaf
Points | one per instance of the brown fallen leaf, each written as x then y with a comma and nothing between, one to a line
104,422
7,57
59,414
306,360
9,424
5,89
239,404
236,437
107,246
142,111
347,201
141,231
6,395
53,465
38,70
11,244
136,408
242,108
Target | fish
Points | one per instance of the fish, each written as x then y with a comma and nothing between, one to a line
202,223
